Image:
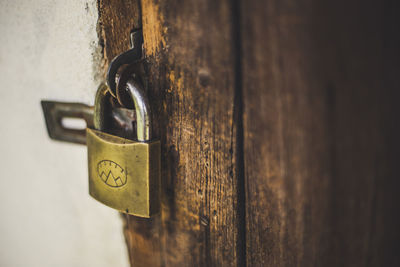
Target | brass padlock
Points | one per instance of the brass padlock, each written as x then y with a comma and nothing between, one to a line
124,174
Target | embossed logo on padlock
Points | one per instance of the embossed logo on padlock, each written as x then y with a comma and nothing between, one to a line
111,173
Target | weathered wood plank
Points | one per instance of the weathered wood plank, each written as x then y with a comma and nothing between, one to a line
189,51
191,85
319,127
117,18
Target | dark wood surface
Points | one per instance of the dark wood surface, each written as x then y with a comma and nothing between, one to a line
117,18
190,56
320,132
307,176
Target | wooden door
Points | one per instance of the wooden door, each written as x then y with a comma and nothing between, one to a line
279,130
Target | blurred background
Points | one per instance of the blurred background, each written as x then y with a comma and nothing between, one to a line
48,51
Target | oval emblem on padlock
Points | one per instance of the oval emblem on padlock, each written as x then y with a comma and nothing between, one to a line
111,173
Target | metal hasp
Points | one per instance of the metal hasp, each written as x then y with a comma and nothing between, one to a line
124,173
55,112
125,58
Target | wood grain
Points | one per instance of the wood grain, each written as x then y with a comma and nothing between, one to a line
319,132
191,73
117,18
191,86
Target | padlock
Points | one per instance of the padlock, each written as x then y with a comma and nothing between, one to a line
124,174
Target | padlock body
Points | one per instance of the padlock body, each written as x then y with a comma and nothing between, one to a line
124,174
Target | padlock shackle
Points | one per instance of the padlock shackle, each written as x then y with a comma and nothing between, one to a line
143,125
99,104
141,104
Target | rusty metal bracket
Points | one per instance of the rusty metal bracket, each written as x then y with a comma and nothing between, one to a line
55,112
126,58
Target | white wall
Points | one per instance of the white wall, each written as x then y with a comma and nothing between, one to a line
47,51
